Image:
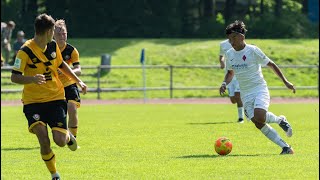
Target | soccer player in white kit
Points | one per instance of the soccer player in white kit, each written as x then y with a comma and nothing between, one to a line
245,61
233,86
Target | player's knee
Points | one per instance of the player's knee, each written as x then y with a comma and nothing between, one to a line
237,97
233,100
72,108
257,123
60,141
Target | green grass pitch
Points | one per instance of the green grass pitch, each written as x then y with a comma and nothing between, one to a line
165,141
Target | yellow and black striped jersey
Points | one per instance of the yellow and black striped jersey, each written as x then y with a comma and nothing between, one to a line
71,56
32,60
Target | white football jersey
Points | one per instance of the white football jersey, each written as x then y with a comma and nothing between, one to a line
246,65
224,47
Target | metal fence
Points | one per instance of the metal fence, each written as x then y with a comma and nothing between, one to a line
102,69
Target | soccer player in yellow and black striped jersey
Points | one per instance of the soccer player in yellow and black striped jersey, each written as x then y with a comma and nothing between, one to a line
71,56
36,67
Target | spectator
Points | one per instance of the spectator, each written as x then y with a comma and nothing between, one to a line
17,44
2,60
6,33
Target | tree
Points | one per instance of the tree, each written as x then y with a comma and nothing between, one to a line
278,7
228,10
305,6
190,16
261,7
208,8
28,13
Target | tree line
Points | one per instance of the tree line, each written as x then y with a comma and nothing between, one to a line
166,18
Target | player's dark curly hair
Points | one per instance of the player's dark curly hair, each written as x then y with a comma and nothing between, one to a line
237,27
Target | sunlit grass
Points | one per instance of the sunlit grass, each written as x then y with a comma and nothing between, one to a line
168,141
185,52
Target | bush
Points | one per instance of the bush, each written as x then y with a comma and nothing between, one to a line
290,25
211,28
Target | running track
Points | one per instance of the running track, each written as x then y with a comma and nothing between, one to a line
176,101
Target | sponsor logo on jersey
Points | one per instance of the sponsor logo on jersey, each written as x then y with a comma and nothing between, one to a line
17,63
60,124
239,66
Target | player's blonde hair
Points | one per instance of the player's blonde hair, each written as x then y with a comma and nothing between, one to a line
60,23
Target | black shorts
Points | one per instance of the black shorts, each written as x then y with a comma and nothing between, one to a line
72,94
53,113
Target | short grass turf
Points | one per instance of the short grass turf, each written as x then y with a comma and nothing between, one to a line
165,141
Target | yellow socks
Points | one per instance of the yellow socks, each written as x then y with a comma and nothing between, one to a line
50,161
74,131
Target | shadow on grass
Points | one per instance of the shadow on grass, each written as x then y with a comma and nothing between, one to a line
19,149
206,123
218,156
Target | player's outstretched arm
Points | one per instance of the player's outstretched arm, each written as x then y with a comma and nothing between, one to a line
68,71
77,69
227,79
278,72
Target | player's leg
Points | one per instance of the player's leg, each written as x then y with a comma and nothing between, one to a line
73,118
58,124
231,95
281,120
46,152
73,99
238,99
7,50
36,121
234,95
239,105
261,105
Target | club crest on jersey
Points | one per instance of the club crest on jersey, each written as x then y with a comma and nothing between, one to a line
53,55
244,57
67,57
36,117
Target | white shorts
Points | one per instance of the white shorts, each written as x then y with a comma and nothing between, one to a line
233,87
260,99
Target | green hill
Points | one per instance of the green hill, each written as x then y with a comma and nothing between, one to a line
185,52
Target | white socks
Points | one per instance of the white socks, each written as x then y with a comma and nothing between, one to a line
271,118
240,112
273,135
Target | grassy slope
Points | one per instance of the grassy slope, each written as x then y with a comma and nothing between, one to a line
188,52
153,144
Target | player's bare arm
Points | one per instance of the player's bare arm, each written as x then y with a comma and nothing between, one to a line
68,71
222,64
278,72
77,69
21,79
227,79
